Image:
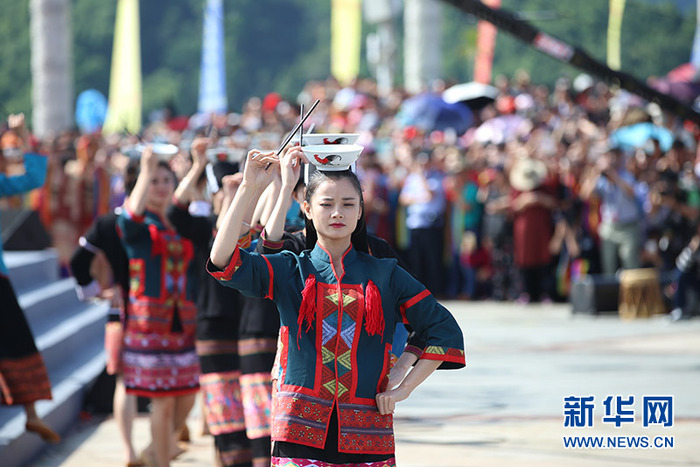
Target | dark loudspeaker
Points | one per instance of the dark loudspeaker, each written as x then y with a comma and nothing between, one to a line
21,229
594,294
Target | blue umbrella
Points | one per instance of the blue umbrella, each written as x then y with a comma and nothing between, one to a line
90,110
429,112
637,135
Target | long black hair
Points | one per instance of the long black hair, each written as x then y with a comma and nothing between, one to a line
359,235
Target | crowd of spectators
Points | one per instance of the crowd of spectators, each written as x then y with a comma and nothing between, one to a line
536,193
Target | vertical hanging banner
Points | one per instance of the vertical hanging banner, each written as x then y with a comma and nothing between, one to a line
485,46
124,111
695,54
617,9
212,77
346,39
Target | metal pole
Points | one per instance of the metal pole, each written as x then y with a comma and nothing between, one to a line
52,69
422,53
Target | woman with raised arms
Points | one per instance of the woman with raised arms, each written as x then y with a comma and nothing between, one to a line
338,309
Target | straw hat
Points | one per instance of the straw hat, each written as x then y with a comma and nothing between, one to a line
528,174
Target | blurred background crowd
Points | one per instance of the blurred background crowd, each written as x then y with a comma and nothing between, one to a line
510,193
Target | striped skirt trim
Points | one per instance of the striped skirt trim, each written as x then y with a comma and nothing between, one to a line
207,348
24,380
253,346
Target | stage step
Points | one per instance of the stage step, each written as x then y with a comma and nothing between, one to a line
70,336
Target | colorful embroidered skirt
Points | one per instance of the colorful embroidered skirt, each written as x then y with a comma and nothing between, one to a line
217,348
221,391
257,357
23,376
160,365
224,415
286,454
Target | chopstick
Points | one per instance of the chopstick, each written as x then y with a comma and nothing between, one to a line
293,132
296,128
301,128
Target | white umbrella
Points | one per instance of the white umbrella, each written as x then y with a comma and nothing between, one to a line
473,94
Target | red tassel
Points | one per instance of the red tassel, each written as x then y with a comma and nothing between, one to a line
374,316
307,310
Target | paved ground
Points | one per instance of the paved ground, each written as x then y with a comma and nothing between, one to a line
507,407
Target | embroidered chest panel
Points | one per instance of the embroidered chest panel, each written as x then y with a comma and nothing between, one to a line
340,315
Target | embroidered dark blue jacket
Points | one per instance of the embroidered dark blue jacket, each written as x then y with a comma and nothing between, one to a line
336,338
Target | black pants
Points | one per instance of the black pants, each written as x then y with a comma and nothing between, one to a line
537,282
425,258
688,293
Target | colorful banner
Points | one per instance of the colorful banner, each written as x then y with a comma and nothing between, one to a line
212,77
124,112
617,9
485,46
695,54
346,39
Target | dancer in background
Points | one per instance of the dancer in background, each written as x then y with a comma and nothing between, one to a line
338,308
23,376
159,355
218,310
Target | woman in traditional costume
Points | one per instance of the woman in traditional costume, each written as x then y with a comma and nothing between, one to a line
338,310
219,311
23,376
158,356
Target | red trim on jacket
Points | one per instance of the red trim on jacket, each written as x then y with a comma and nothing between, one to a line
233,265
271,278
449,355
412,301
271,244
134,217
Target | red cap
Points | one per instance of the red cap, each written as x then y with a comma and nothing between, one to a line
270,102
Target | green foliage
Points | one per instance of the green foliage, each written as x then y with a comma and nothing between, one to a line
15,85
270,45
93,27
656,37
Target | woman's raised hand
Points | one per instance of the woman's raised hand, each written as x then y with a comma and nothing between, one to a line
16,123
199,150
231,183
149,160
260,168
290,165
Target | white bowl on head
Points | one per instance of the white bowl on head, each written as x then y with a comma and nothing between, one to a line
314,139
333,157
164,151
